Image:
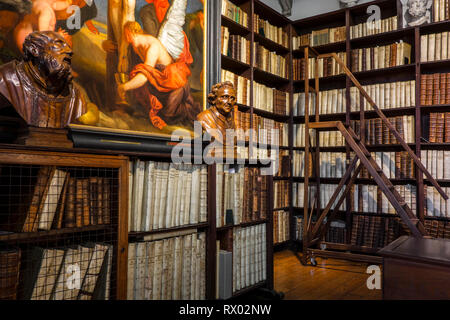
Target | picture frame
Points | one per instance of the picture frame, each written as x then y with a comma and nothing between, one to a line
416,12
174,92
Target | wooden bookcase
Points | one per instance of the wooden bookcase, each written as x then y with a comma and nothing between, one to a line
349,17
346,18
19,166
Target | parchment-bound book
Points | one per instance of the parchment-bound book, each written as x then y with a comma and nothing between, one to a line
247,256
148,280
195,195
446,164
61,291
203,193
85,257
187,199
139,185
169,210
202,237
51,199
157,270
181,192
175,196
131,270
440,164
157,198
41,277
194,267
431,46
170,267
444,46
147,194
437,203
141,266
187,267
243,254
198,272
98,258
177,268
164,189
131,190
165,268
437,53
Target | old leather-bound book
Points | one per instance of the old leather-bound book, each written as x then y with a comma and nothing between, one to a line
9,273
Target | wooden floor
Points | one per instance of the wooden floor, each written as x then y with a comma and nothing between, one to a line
331,279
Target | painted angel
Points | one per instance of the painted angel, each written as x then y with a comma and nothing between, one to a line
161,80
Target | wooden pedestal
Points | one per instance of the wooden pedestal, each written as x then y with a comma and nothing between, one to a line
416,268
44,137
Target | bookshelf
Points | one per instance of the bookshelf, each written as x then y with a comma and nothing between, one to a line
410,71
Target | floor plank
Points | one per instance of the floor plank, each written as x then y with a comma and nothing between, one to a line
331,279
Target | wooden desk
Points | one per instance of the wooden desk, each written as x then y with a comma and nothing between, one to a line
416,268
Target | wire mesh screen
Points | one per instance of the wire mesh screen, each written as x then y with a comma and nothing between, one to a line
58,232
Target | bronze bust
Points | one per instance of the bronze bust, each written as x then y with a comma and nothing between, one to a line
220,116
40,87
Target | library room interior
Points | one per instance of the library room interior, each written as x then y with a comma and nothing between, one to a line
226,150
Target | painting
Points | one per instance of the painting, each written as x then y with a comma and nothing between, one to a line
140,63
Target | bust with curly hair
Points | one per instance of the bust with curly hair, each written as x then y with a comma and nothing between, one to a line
220,116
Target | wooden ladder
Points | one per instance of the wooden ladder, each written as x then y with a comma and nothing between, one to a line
313,234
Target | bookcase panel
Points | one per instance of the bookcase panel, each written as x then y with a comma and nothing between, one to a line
62,222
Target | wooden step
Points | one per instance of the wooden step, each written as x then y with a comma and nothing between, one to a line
324,125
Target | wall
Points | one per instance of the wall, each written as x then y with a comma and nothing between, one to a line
307,8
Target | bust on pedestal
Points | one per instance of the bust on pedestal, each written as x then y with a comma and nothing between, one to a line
220,116
41,91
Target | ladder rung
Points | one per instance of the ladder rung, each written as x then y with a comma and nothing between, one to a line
324,125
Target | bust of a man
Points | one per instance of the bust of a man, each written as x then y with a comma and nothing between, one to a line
217,119
418,12
40,87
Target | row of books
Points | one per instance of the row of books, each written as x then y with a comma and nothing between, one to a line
395,165
327,67
235,46
439,127
270,99
370,198
396,54
298,163
374,27
298,227
249,256
330,101
280,226
268,131
173,268
376,132
441,10
269,61
375,231
269,31
332,164
434,89
241,85
241,194
56,200
398,94
326,138
437,162
166,195
281,193
435,205
434,46
337,232
320,37
326,191
438,229
298,190
235,13
48,273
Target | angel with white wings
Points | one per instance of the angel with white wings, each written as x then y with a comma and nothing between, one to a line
161,80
